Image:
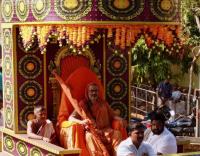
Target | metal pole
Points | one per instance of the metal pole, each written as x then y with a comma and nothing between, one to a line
136,100
146,107
197,130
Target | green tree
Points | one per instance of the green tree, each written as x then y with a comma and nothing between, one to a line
150,64
191,33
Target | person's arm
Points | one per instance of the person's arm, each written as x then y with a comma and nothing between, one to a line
159,89
52,130
171,89
73,101
114,116
110,110
121,123
118,118
32,135
67,92
76,118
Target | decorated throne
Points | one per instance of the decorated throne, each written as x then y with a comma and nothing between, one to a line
66,63
76,71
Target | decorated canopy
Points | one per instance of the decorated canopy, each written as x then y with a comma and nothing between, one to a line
90,10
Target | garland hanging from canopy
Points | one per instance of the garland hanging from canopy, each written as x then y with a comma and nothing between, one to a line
121,36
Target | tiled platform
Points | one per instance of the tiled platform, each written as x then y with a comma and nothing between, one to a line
32,145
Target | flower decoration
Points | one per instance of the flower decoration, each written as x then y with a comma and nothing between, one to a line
42,34
121,36
27,33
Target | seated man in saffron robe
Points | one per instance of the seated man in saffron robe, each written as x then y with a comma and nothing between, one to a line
41,128
92,110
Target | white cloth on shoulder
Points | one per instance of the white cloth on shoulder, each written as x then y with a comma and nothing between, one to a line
164,143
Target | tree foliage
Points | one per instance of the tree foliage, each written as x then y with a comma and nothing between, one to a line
191,32
151,64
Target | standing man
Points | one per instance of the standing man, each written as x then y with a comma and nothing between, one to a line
159,137
134,145
164,90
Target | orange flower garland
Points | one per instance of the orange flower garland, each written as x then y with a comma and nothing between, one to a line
83,35
79,35
110,32
70,30
117,36
74,35
128,37
43,34
123,37
27,33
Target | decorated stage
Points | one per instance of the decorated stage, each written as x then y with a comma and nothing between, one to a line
97,34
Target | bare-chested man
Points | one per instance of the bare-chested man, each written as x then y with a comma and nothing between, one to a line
41,128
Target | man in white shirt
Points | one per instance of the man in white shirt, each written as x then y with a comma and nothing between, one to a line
160,138
134,145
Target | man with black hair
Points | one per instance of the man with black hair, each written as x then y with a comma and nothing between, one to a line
134,145
159,137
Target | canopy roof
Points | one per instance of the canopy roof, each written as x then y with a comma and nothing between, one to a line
90,10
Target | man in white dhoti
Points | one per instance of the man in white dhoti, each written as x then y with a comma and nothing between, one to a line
41,128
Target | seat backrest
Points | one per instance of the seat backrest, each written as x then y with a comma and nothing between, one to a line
67,65
71,62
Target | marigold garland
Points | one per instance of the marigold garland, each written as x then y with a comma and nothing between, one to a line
80,35
43,34
110,32
27,33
